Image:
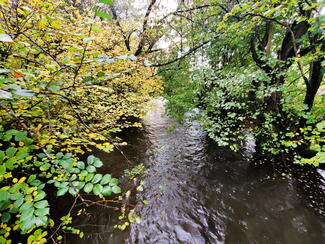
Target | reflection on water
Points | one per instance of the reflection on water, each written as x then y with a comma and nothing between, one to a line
200,193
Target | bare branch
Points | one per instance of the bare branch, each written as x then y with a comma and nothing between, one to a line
192,50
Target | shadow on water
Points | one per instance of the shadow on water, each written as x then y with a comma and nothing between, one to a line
200,193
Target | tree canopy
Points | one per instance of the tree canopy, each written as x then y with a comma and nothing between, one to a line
74,73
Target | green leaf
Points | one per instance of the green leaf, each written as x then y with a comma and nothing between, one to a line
62,191
88,187
16,196
2,169
4,195
29,223
2,155
26,214
5,217
84,173
96,178
103,15
41,220
73,191
18,202
40,196
98,189
5,38
113,182
107,191
26,206
116,189
91,169
81,165
91,159
42,211
98,163
95,29
89,177
31,178
21,155
106,179
20,136
11,151
41,204
108,2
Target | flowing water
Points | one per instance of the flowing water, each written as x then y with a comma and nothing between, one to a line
200,193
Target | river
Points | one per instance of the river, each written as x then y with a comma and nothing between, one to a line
199,193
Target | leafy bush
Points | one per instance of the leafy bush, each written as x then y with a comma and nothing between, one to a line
66,86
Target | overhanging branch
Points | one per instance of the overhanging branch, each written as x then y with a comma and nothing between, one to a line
192,50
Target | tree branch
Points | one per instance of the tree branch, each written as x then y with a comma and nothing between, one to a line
184,55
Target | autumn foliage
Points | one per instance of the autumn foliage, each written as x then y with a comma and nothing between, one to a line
67,85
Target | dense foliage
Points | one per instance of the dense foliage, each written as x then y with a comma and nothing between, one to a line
73,73
67,84
259,70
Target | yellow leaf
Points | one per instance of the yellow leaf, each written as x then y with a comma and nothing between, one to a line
55,24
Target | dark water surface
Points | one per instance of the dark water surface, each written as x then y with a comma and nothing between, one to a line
200,193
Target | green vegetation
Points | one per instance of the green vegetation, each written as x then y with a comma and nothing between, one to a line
74,73
64,90
259,70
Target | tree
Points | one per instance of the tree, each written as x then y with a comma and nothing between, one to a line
64,90
259,53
